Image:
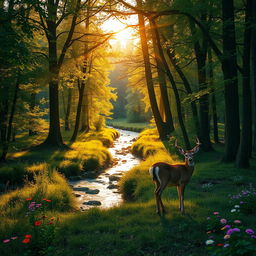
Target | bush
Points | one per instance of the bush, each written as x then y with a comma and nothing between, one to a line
91,164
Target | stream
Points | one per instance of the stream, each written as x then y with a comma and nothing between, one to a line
103,191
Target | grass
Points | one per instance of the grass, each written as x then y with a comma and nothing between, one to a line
87,154
134,228
123,124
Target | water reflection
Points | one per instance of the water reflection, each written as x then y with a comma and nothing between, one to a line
103,190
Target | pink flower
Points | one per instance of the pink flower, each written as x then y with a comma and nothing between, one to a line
14,237
237,221
216,213
223,221
6,241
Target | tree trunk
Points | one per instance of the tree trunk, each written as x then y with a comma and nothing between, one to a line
229,68
163,132
81,87
68,110
213,99
244,152
4,121
162,82
254,72
201,55
78,111
32,107
85,112
54,137
174,87
9,128
187,86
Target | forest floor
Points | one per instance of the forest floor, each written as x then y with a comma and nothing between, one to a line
134,228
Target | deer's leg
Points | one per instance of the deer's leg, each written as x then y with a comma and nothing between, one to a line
178,191
159,193
181,196
156,196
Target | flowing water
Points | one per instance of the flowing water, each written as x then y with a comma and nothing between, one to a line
103,191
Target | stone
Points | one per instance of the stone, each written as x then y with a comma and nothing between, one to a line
83,189
114,178
92,191
112,186
74,178
93,202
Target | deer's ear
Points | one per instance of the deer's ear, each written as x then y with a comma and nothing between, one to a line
181,150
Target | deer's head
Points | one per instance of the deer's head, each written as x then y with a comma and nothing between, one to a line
189,154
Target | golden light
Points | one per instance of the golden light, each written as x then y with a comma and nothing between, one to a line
123,33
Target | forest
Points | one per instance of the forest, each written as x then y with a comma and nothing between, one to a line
104,104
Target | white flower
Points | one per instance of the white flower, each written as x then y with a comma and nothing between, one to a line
208,242
233,210
237,206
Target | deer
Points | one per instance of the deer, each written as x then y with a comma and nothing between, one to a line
164,174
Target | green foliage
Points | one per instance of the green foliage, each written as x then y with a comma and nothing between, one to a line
125,125
135,108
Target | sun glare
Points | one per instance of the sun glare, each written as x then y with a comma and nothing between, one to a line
123,34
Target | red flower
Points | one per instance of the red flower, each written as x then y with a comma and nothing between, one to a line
28,199
220,244
49,223
47,200
26,241
28,236
38,223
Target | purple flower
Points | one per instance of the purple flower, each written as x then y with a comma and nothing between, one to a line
249,231
232,230
227,226
208,218
226,245
241,202
253,236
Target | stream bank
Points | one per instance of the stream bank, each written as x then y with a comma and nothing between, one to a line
103,191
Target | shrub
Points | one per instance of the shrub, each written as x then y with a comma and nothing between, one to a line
91,164
69,168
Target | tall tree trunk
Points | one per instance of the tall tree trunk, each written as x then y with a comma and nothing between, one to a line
163,132
162,83
54,137
68,110
229,68
245,147
32,107
171,55
173,83
213,99
9,128
79,108
81,87
201,55
85,111
254,72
